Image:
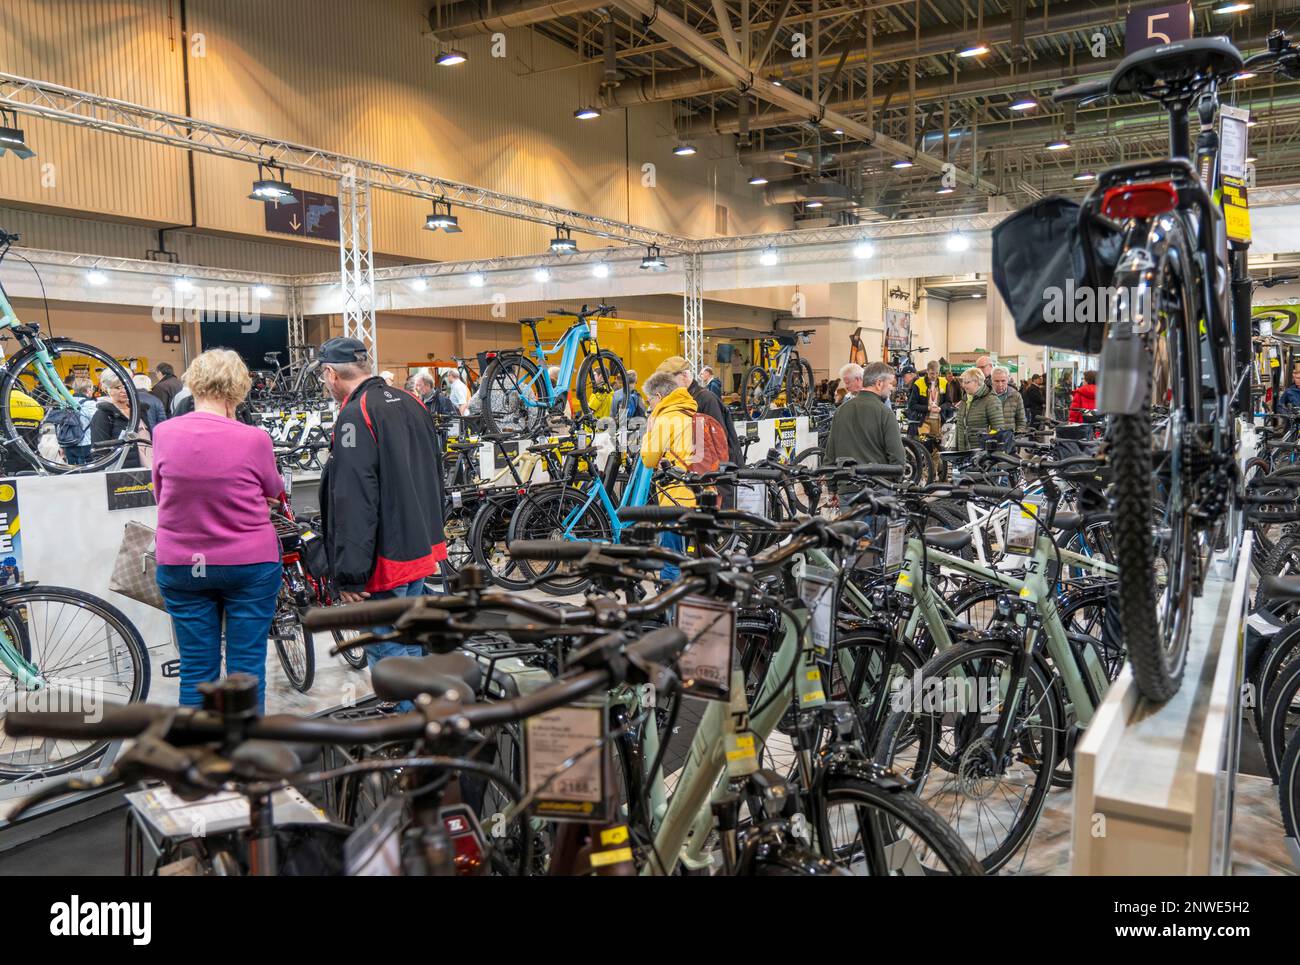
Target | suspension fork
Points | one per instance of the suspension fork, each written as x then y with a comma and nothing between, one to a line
27,674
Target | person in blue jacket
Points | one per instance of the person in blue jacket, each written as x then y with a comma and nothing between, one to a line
1290,399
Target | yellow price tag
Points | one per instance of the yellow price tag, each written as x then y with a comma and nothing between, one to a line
599,859
614,835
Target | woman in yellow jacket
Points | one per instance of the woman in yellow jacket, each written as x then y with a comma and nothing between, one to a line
669,435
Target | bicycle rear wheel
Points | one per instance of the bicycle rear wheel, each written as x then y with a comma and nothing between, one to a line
601,378
507,398
799,388
293,645
919,469
753,393
559,512
22,391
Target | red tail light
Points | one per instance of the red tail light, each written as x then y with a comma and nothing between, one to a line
1145,200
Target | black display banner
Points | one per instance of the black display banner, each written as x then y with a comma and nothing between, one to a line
129,489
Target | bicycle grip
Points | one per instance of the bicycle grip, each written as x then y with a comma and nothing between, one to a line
879,469
760,475
997,492
658,646
550,549
126,721
652,514
359,616
1288,480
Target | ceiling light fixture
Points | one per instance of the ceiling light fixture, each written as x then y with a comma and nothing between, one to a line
1243,75
12,138
586,113
1060,144
653,260
419,284
769,257
477,279
1023,102
1228,8
684,150
96,277
183,284
812,204
600,270
975,50
1085,176
758,180
957,242
272,188
902,163
563,243
1251,159
450,58
863,249
944,189
262,291
542,275
442,218
838,132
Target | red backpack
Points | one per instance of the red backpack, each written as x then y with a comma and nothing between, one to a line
710,449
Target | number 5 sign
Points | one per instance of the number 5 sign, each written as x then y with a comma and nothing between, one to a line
1153,26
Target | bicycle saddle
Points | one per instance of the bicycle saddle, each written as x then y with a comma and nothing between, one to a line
949,540
1069,522
1172,65
405,678
1280,588
457,445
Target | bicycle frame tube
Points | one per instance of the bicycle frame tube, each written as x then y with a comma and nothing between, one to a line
596,491
25,672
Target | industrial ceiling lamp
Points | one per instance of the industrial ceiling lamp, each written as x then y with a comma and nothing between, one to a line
1023,102
96,277
902,164
542,275
563,243
684,150
769,257
442,218
451,57
974,50
1082,176
653,260
600,270
758,180
587,113
12,138
863,249
958,242
1229,8
1060,144
272,188
944,189
477,279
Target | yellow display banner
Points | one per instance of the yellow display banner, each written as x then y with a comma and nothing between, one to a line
1236,209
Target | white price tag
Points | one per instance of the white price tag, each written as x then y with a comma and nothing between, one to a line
895,544
705,666
817,591
1022,526
576,792
751,497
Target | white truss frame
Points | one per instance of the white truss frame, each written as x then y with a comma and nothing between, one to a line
693,313
357,264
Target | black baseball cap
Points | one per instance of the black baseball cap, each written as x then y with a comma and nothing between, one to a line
342,351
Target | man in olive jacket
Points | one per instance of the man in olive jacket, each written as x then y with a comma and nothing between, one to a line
865,428
1013,406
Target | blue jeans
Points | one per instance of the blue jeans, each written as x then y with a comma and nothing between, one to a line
674,542
378,651
77,455
245,595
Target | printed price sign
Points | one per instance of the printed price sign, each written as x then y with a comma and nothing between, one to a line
564,791
1022,526
705,666
817,591
751,497
895,545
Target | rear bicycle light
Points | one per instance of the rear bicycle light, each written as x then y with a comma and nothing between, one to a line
1144,200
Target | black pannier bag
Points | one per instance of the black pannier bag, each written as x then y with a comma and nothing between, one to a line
1042,255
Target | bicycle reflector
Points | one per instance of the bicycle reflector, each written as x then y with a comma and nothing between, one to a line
1143,200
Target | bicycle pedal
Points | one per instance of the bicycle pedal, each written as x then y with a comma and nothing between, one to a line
171,668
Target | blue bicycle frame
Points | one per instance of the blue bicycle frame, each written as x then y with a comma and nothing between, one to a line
569,344
635,493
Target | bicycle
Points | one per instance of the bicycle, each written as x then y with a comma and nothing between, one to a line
1167,337
783,377
29,376
517,396
295,383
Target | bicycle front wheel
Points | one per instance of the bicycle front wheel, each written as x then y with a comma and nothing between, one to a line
27,403
868,829
507,398
86,653
753,393
558,512
294,646
799,388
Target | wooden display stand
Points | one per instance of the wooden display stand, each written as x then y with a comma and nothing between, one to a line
1154,783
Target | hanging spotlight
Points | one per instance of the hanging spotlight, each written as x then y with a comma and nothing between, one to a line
812,204
684,150
96,277
419,284
769,257
272,188
183,284
600,270
1251,159
1228,8
975,50
442,218
758,180
11,136
542,275
902,163
477,280
944,189
1023,102
1061,144
653,260
586,113
863,249
838,132
563,243
957,242
262,291
1085,176
450,58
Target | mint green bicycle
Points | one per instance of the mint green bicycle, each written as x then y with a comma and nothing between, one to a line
34,398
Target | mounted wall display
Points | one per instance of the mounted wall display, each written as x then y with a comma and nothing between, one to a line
1157,25
311,216
898,328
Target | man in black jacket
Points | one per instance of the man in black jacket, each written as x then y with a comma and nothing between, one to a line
381,490
165,385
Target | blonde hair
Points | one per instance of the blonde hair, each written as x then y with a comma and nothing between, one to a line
218,373
973,375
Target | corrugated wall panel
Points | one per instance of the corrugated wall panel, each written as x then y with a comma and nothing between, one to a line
121,48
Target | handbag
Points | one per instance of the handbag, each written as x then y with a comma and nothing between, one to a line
135,571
